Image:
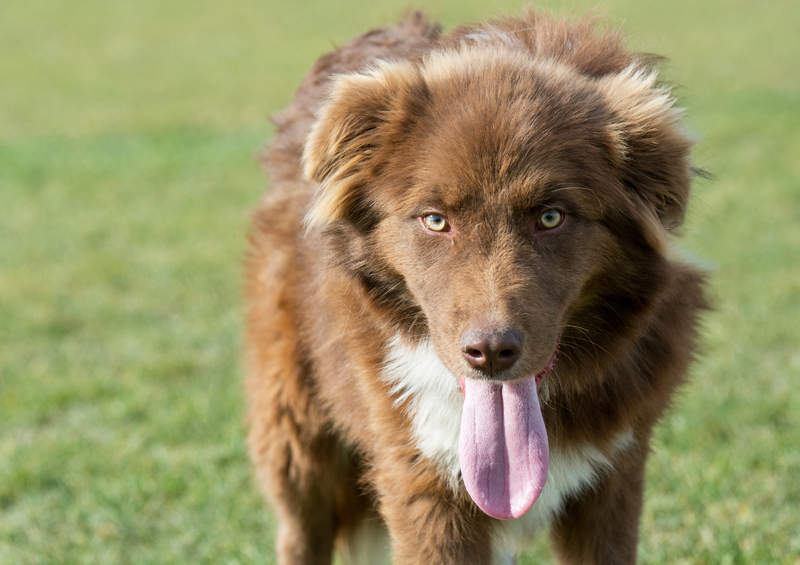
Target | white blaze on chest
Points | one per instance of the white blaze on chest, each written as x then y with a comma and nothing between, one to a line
418,376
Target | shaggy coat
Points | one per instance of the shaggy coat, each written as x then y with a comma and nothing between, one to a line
518,181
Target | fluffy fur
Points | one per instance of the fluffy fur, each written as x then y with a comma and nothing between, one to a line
356,310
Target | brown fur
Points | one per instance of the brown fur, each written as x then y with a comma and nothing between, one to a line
488,125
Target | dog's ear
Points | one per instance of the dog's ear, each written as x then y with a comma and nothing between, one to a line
650,148
364,114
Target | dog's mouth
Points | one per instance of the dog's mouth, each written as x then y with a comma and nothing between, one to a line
538,377
502,445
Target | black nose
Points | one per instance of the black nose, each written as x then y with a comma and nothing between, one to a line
491,351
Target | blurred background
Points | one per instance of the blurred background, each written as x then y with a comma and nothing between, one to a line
128,141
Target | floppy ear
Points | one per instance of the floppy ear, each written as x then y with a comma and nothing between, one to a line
650,148
345,147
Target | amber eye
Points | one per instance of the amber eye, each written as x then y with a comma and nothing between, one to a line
551,219
435,222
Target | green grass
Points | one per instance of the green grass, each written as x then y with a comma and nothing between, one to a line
127,141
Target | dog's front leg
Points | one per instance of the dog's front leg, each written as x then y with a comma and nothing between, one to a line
601,525
428,522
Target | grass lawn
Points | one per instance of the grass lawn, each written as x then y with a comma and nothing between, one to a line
127,140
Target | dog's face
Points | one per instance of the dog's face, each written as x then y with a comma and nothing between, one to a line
498,200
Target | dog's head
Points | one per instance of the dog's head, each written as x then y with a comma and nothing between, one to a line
500,203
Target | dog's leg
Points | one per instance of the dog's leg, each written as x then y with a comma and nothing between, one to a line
367,543
601,525
300,465
427,522
433,531
297,472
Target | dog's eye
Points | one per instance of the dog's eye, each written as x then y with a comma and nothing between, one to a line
435,222
551,219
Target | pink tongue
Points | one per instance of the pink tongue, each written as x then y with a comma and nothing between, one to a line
503,446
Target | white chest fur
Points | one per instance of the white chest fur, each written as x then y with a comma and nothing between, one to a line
417,375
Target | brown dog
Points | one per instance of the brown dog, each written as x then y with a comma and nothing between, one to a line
463,316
